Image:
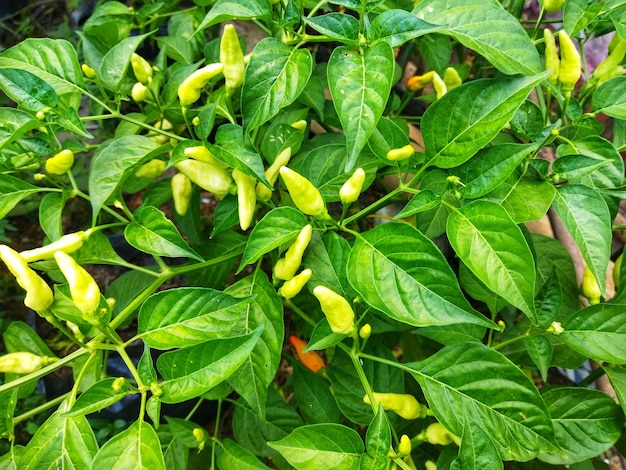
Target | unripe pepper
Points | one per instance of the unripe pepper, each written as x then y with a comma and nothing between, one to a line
246,197
552,56
293,286
337,309
451,78
570,66
271,174
83,288
305,196
439,85
401,153
23,362
203,154
611,66
152,169
68,243
552,6
310,359
60,163
351,189
403,404
190,89
436,433
139,92
201,437
590,287
617,268
88,71
39,295
404,446
365,331
181,193
209,177
231,56
287,267
141,68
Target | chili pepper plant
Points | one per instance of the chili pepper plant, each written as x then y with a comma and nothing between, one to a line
363,177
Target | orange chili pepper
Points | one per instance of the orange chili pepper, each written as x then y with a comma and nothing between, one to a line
311,359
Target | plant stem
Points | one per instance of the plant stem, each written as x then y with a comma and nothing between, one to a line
40,409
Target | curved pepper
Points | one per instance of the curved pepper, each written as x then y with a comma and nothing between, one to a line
451,78
190,89
209,177
401,153
351,189
271,174
68,243
203,154
305,196
39,295
552,56
60,163
246,197
337,309
181,193
152,169
293,286
310,359
611,66
231,56
403,404
287,267
590,287
83,288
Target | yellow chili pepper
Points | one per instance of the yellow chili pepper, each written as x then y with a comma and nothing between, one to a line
293,286
209,177
264,193
60,163
141,68
305,196
231,56
570,65
401,153
190,89
83,288
68,243
39,295
337,310
287,267
152,169
403,404
246,197
23,362
590,287
351,189
181,193
552,56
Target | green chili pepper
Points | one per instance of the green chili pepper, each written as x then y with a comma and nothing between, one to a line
246,197
351,189
552,56
83,288
287,267
152,169
23,362
68,243
181,193
39,295
231,56
403,404
570,65
439,85
611,66
209,177
305,196
203,154
451,78
552,6
337,309
401,153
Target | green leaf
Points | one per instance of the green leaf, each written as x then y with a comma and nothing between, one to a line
389,134
61,442
12,191
378,436
571,167
586,423
275,77
540,351
509,409
233,456
15,123
422,201
265,311
477,450
224,10
586,217
321,446
578,14
400,272
524,197
313,397
338,26
598,332
27,90
187,316
487,28
490,167
97,397
152,232
97,249
399,26
360,85
53,60
618,381
278,227
136,447
50,214
116,61
476,289
327,257
610,98
110,164
468,117
190,372
493,247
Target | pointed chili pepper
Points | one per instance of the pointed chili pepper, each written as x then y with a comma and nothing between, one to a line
310,359
39,295
287,266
